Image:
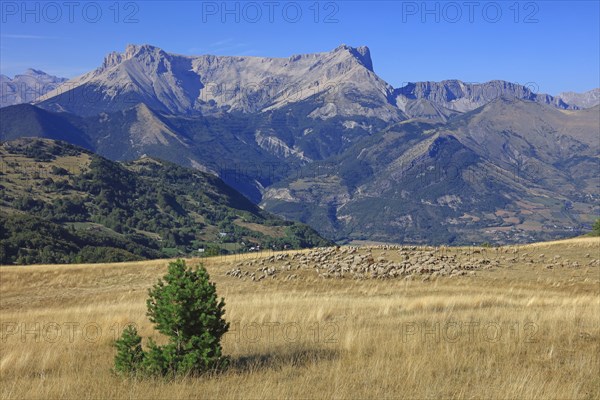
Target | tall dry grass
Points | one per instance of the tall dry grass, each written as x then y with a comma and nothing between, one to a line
519,331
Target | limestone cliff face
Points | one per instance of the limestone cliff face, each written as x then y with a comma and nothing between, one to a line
342,79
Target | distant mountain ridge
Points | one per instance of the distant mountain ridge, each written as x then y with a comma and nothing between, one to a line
343,77
182,84
454,96
588,99
27,87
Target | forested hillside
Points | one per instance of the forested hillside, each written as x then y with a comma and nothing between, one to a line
60,203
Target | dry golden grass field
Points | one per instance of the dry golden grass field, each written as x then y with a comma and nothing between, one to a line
524,326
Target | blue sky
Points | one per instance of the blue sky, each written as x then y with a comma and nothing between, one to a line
553,46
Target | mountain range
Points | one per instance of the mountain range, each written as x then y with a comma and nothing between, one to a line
322,139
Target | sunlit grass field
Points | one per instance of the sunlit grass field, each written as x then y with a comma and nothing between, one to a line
520,330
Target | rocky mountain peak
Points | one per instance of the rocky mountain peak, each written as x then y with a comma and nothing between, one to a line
362,54
132,51
112,59
34,72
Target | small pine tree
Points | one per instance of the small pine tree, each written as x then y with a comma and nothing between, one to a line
130,355
184,307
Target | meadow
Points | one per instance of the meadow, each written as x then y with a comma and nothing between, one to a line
526,327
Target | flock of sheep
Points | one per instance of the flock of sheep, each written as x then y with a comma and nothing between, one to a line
390,262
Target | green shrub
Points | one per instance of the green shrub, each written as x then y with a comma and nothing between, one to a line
130,355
